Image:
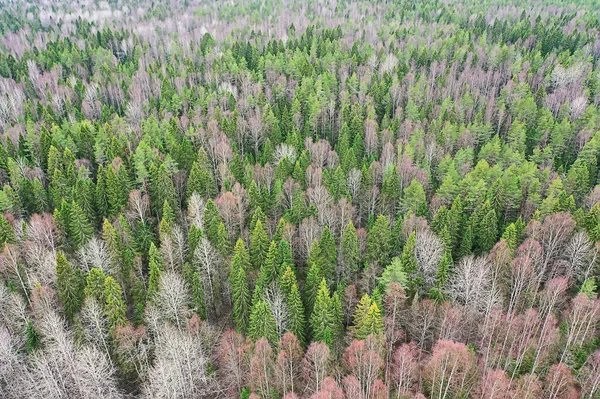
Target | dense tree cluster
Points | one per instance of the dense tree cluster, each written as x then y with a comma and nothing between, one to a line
300,199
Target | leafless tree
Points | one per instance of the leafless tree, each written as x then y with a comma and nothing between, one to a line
208,263
277,302
180,367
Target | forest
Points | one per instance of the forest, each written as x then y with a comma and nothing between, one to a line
299,199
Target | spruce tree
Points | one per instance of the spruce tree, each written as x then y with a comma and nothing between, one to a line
259,245
378,242
115,308
94,284
155,267
328,253
322,317
70,284
350,253
80,229
262,323
240,290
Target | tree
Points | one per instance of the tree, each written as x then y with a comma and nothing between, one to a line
115,306
367,319
262,368
451,371
414,200
323,319
259,245
363,361
240,290
262,322
328,253
378,242
315,366
350,254
288,363
79,229
233,364
70,284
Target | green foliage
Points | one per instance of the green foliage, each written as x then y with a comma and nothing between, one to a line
70,283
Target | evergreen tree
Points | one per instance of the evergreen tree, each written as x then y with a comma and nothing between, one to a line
296,318
240,290
378,242
367,319
322,318
94,284
155,267
350,253
7,234
259,245
70,284
115,307
267,273
328,253
262,323
79,230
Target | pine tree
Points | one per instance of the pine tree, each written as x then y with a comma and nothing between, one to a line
101,195
350,253
314,277
378,242
414,200
168,219
259,245
285,257
466,245
396,237
70,284
200,179
115,307
262,323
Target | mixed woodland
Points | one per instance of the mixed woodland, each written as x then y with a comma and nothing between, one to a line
321,199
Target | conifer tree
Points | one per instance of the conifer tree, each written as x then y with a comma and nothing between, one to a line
262,323
155,267
378,242
487,231
211,221
70,284
367,319
409,262
322,318
80,229
115,307
94,284
267,273
7,234
259,245
240,290
350,253
328,253
296,313
223,245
